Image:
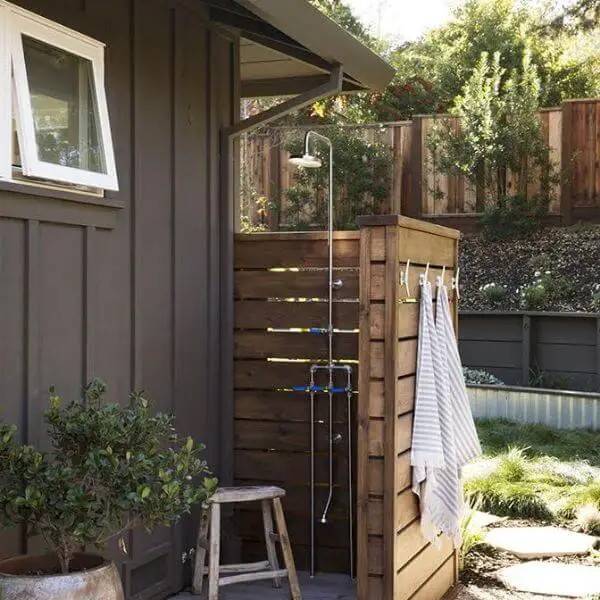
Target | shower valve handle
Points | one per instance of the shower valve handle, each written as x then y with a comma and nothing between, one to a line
336,284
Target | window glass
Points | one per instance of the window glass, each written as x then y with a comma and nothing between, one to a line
64,107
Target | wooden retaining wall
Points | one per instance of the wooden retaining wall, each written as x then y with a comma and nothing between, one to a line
281,281
394,561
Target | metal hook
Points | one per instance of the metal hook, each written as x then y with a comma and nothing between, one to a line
455,283
423,277
443,275
404,278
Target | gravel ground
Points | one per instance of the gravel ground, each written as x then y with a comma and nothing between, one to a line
571,254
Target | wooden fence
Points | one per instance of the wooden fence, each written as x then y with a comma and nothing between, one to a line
560,350
572,132
394,561
281,282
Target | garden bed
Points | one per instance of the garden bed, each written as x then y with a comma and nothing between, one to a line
570,254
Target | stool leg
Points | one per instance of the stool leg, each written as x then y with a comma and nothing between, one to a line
201,547
286,549
214,556
269,532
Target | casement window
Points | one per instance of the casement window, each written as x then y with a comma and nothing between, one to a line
54,116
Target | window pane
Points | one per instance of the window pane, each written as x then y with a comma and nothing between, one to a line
65,111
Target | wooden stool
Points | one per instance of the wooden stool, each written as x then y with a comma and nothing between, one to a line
268,569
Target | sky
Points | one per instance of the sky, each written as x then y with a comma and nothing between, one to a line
401,20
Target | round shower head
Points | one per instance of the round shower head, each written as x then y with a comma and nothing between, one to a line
308,161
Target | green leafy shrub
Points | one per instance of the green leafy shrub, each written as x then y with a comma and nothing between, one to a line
361,180
545,290
111,468
493,292
471,535
513,216
480,377
596,297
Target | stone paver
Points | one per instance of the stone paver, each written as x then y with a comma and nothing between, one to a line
539,542
569,581
481,520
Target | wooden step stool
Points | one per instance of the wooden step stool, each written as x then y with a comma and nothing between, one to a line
268,569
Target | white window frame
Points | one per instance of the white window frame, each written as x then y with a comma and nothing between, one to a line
20,22
5,98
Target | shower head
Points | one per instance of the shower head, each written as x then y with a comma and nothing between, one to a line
308,161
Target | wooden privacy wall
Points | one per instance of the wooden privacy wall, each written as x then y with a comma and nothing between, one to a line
394,561
281,282
418,188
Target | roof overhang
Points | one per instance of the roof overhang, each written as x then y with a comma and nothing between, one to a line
288,47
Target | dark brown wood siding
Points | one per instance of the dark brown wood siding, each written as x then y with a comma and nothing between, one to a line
137,304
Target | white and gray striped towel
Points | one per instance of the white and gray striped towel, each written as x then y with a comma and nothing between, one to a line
427,453
442,503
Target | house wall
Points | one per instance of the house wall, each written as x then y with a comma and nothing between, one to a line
129,294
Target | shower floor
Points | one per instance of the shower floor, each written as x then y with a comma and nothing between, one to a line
324,586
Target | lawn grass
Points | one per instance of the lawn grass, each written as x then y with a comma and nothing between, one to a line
535,472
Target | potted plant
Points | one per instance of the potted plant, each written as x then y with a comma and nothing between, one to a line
111,468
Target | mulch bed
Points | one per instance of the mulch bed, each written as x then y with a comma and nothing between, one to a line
571,253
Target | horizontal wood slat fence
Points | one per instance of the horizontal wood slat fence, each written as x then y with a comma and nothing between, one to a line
572,131
551,350
281,282
394,561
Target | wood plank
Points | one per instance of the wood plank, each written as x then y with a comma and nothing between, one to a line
265,344
406,358
375,556
297,497
409,543
328,560
374,587
258,314
292,284
402,432
264,375
289,437
439,584
333,534
403,473
288,468
265,405
421,247
418,572
414,277
266,252
377,243
391,356
404,397
363,411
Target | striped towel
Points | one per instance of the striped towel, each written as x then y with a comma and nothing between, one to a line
459,436
427,453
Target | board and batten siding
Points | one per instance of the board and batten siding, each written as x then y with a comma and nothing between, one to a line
135,302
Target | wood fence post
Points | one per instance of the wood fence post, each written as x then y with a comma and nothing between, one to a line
415,202
566,188
525,349
274,174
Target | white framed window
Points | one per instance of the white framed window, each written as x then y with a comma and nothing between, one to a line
55,124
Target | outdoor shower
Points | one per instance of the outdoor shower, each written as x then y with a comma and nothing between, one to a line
308,160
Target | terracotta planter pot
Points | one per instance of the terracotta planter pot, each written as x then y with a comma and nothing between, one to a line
93,578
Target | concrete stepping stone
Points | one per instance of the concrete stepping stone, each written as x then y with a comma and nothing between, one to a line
552,579
540,542
480,520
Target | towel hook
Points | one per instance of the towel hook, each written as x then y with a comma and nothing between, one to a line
455,283
440,278
423,277
404,277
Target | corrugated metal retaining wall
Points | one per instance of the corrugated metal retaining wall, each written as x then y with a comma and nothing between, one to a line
555,408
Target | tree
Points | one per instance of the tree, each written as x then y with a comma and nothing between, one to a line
499,131
446,57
